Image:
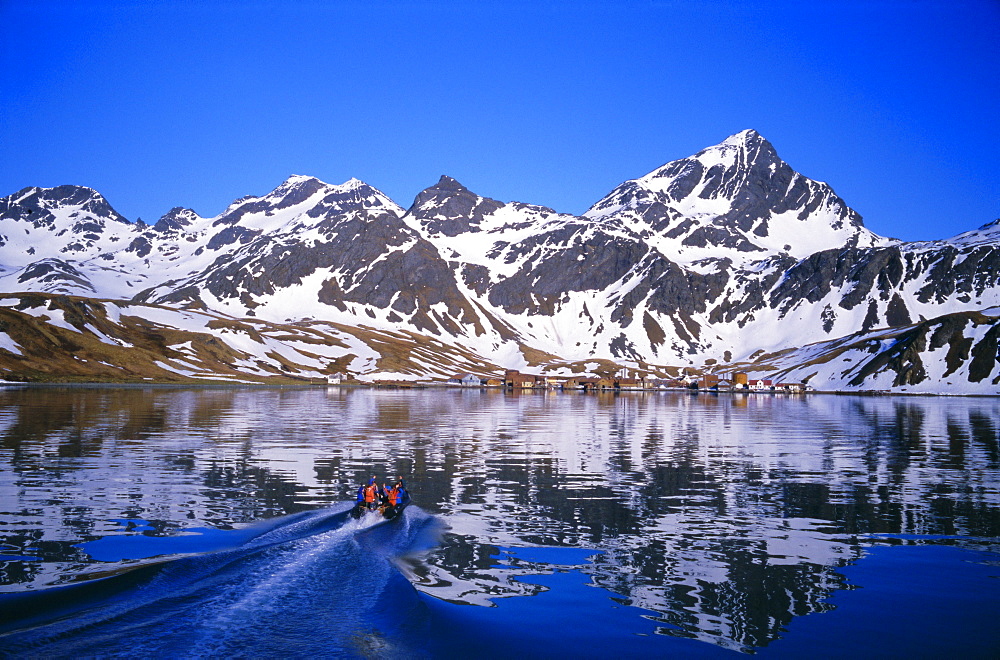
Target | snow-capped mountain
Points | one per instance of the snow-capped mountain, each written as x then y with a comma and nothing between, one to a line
47,234
719,258
736,199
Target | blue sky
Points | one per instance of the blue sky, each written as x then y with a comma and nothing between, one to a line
896,104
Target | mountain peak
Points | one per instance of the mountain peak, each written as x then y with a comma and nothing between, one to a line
449,184
65,196
295,190
297,181
724,167
743,138
450,208
741,196
300,181
744,149
298,178
176,218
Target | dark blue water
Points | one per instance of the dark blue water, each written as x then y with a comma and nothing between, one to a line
213,523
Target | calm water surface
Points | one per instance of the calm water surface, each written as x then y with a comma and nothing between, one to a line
212,522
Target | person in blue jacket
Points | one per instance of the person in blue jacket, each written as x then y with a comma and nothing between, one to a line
402,498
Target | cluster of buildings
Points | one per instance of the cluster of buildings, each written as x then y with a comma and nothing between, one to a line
738,382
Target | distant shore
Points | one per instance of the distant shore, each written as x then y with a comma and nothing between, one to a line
413,385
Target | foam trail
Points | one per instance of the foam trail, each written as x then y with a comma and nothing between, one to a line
309,584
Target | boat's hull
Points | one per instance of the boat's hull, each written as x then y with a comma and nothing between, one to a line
386,511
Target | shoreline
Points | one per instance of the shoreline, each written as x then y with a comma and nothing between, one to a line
416,385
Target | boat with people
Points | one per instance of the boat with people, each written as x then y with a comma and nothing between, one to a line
380,499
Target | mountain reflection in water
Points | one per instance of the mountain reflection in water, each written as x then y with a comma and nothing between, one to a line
719,518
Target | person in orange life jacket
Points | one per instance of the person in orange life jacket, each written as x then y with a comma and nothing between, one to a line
401,486
391,495
400,496
371,494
